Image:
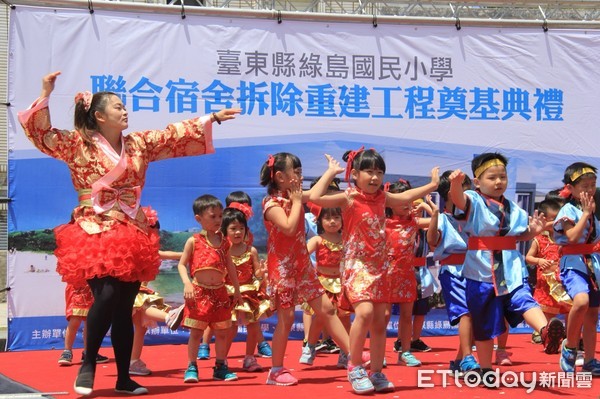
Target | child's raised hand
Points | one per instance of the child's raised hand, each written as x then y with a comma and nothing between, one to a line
334,165
457,176
432,205
295,191
48,83
587,203
537,222
435,175
226,114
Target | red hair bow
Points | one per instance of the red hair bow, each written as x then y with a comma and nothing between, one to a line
565,192
271,165
351,157
244,208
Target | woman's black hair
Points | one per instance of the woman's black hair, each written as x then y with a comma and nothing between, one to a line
231,215
85,120
326,212
367,159
279,164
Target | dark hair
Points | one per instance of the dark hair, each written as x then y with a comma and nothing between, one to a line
577,166
231,215
397,187
205,202
280,164
547,205
367,159
334,185
444,186
327,212
238,196
554,195
483,158
85,121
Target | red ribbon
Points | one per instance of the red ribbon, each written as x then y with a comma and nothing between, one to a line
244,208
565,192
351,157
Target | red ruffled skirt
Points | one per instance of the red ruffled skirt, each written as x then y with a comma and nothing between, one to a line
123,252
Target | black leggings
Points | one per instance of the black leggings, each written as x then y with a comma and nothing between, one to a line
113,304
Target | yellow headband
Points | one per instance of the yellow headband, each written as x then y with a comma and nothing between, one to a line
578,173
488,164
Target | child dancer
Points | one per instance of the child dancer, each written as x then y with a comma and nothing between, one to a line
78,302
206,300
446,236
365,255
544,255
255,303
402,229
327,246
292,278
493,266
576,231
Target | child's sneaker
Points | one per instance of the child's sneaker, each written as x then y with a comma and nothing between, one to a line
281,377
552,334
251,365
99,358
222,373
138,367
419,346
469,364
309,353
331,347
502,357
408,359
361,384
380,382
536,338
264,349
174,318
398,346
567,358
593,366
66,358
342,362
580,359
203,352
321,345
454,368
191,374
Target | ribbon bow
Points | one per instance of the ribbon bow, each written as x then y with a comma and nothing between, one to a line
86,97
350,161
271,165
565,192
105,197
244,208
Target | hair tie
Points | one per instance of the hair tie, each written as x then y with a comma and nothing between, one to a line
351,156
86,97
151,215
565,192
386,187
244,208
271,165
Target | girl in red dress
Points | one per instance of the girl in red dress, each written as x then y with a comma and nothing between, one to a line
292,278
365,255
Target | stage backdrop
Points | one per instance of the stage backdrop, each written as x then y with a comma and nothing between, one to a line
421,95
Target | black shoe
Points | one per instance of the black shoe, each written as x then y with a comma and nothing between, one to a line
332,347
99,358
419,346
84,384
321,346
131,388
398,346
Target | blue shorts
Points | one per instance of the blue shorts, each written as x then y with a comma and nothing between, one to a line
489,311
421,307
576,282
453,291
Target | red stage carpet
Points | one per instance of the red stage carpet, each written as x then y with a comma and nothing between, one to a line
40,371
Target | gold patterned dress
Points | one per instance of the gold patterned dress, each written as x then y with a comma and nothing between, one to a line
108,234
